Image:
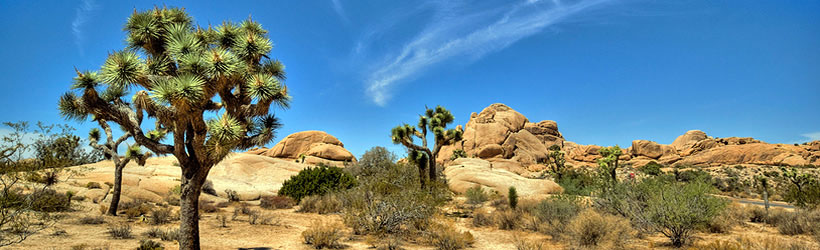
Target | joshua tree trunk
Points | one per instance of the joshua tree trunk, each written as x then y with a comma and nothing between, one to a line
191,187
115,195
766,201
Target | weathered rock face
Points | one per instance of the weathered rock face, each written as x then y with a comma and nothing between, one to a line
251,176
688,139
646,148
754,153
310,143
465,173
501,134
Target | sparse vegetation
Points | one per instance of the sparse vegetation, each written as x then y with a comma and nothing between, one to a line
92,220
150,245
476,195
276,202
445,236
321,204
161,216
322,236
120,231
595,230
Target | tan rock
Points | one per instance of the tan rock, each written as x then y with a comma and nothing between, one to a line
490,151
546,132
329,151
526,147
646,148
299,143
753,153
469,172
688,139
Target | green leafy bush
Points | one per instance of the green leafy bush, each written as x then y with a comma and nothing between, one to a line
677,209
555,212
458,153
476,195
577,182
651,168
317,181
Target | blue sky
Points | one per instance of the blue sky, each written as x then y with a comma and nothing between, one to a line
607,71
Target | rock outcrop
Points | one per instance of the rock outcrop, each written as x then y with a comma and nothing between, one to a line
688,139
465,173
317,144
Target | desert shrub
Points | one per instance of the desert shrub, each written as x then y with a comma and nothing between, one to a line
512,196
757,214
92,220
482,218
476,195
242,209
806,196
746,242
724,222
171,234
161,216
693,175
136,208
321,204
555,212
232,195
521,244
390,199
321,236
577,181
796,222
120,231
153,232
676,210
445,236
208,188
48,200
317,181
507,219
223,204
149,245
206,206
222,219
276,202
592,229
458,153
373,161
93,185
651,168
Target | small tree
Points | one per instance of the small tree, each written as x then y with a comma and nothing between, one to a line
803,190
678,209
180,72
556,162
608,162
512,195
435,121
109,149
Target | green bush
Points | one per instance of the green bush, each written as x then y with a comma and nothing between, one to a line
512,195
693,175
651,168
577,182
317,181
677,209
150,245
458,153
476,195
49,201
555,212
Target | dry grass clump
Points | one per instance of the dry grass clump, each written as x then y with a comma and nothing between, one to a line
481,217
507,219
161,216
746,242
521,244
150,245
92,220
322,235
732,216
207,207
799,222
120,231
603,231
321,204
169,234
276,202
445,236
136,208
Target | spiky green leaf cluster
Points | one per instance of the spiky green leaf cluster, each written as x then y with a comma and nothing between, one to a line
181,70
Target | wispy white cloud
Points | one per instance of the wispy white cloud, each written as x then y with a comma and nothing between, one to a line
80,18
337,6
811,136
467,34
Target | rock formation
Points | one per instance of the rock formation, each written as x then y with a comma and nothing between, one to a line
316,146
465,173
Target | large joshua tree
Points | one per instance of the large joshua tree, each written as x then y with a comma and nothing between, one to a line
109,149
435,121
180,72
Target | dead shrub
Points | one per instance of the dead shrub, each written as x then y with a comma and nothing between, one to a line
507,219
232,196
161,216
136,208
222,219
207,207
92,220
321,204
208,188
321,235
481,217
732,216
276,202
591,229
521,244
120,231
170,234
444,236
746,242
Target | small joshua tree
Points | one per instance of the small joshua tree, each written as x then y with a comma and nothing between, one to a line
556,161
109,149
433,120
180,71
608,162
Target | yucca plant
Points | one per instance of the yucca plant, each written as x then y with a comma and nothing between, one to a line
179,72
435,121
109,149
